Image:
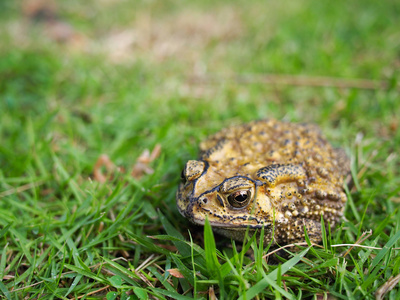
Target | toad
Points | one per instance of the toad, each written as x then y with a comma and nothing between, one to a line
278,175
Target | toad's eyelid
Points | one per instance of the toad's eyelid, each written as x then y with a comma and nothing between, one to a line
236,183
237,188
229,186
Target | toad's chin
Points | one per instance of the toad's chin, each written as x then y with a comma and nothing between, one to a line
239,234
229,225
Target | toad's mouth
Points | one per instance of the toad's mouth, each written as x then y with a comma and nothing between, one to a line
235,219
252,224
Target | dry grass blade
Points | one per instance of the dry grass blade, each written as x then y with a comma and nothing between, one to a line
21,189
362,238
143,264
387,287
292,80
94,292
359,246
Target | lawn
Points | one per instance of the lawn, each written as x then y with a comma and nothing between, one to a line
85,80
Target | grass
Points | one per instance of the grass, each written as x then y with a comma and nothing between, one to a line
121,77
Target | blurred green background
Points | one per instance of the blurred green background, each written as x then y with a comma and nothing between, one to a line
131,69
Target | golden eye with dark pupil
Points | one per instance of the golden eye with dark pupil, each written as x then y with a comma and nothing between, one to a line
239,199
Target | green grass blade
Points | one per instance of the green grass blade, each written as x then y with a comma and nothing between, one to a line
5,291
162,280
182,247
3,261
86,273
147,243
210,249
170,294
183,269
385,249
274,284
261,285
74,284
5,229
212,263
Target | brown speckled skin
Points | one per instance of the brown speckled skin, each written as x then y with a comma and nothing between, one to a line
282,176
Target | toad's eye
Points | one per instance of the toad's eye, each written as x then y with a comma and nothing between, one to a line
239,199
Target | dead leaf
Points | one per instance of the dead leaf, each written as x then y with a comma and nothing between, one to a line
140,168
394,125
39,10
176,273
45,13
60,32
325,297
103,161
142,164
211,293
